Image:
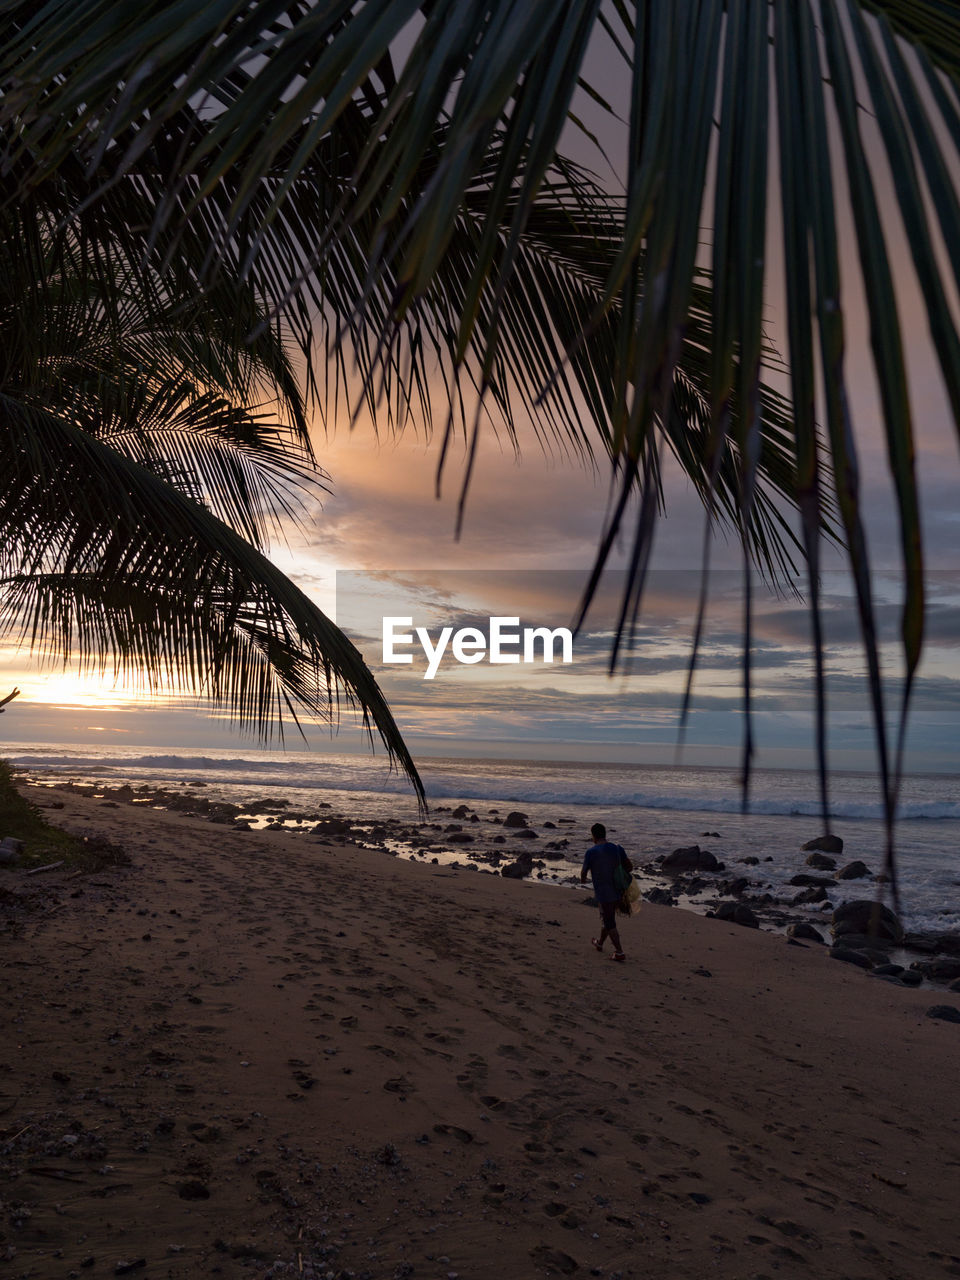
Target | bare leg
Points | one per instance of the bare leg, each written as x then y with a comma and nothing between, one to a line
609,931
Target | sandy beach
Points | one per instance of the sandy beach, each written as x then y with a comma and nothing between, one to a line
251,1054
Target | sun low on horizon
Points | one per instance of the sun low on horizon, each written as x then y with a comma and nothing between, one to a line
72,689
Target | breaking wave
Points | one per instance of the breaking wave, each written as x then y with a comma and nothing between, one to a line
512,781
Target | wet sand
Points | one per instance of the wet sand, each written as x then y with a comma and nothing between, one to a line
249,1054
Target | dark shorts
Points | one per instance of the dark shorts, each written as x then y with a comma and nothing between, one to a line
608,913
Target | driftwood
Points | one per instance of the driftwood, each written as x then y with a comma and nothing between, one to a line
49,1171
50,866
8,698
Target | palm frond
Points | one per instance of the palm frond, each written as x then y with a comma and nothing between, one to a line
106,562
429,178
137,491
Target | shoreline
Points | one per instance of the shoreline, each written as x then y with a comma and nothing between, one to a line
701,884
250,1055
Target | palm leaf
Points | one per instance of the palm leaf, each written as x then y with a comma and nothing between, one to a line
132,479
105,561
472,118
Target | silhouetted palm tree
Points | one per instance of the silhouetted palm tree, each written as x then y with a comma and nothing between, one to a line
378,171
149,452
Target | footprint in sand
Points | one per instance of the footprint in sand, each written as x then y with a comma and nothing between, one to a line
400,1085
442,1038
454,1131
473,1073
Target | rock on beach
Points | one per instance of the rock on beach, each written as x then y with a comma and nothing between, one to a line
516,819
853,871
825,844
737,913
821,861
866,917
691,858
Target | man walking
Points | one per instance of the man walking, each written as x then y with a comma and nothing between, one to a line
602,860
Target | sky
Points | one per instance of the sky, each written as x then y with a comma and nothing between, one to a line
384,546
528,541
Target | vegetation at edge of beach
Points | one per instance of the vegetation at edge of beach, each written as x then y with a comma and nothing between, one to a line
43,842
20,818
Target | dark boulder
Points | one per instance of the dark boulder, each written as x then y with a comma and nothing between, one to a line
933,943
692,858
911,978
807,896
888,970
813,882
460,837
851,957
461,811
515,819
866,941
863,916
803,930
737,913
10,850
733,888
332,827
518,870
920,942
525,834
660,897
826,844
751,860
853,871
821,861
946,1012
940,969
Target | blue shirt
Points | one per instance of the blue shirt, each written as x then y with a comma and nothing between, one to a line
601,861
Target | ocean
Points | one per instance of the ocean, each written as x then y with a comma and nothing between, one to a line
649,810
